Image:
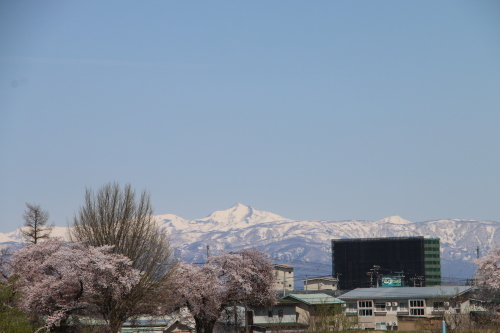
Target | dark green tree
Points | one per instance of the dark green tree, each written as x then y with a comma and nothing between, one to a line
12,319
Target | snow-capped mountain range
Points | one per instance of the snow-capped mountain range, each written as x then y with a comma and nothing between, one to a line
308,243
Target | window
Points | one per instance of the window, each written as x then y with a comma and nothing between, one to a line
379,306
403,306
351,307
270,313
365,308
438,306
417,307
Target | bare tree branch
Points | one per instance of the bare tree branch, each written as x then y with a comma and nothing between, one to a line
112,216
35,220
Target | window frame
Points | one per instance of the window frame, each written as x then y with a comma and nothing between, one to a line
416,307
380,306
352,307
365,308
440,306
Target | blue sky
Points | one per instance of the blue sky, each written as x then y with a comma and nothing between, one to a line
312,110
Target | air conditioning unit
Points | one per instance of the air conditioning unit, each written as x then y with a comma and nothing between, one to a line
446,303
394,323
394,303
388,304
343,305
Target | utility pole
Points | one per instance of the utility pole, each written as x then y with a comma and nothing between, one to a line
375,272
208,251
371,278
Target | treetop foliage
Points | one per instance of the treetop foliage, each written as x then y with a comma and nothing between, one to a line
229,278
56,278
489,267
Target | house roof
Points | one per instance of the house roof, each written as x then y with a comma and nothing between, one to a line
283,265
328,278
314,299
282,301
406,292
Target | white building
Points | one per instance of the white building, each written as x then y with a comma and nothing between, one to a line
404,308
284,277
320,283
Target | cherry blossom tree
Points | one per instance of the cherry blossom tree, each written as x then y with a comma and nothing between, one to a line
230,278
488,267
57,279
115,216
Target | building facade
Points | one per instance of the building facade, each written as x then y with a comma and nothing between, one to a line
405,308
362,262
320,283
284,277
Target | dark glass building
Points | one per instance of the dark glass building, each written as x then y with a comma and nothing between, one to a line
362,262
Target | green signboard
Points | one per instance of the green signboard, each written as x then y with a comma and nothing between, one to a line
391,281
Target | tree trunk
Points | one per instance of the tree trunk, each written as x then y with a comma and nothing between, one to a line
115,326
204,326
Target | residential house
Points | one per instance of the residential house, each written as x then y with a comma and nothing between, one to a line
311,305
405,308
282,317
320,283
295,312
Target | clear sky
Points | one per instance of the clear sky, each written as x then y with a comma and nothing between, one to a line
309,109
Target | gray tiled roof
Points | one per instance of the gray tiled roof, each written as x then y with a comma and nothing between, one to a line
312,299
405,292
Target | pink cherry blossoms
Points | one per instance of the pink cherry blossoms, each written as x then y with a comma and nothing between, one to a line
243,277
489,267
57,278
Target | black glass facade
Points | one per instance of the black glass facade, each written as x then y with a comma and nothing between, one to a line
361,262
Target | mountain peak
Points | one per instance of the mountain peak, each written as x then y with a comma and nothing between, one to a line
396,219
240,214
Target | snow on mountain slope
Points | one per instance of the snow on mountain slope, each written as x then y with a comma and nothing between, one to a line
236,217
242,226
310,241
16,236
395,220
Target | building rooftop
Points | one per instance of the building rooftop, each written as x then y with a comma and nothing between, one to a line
284,265
406,292
314,299
329,278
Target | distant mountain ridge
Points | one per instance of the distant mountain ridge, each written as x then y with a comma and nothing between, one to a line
299,242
